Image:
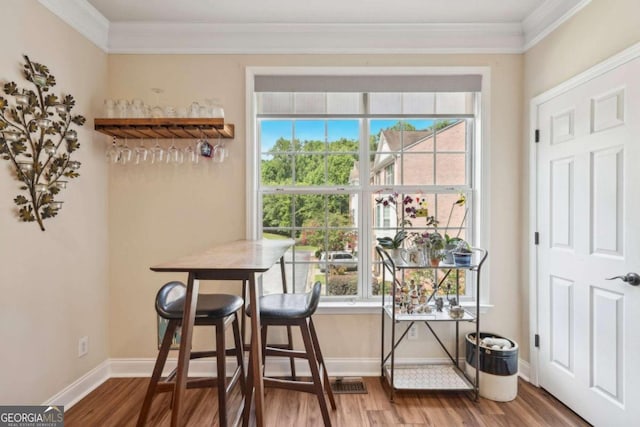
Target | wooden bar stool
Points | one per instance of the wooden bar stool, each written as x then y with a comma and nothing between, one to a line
216,310
289,344
296,310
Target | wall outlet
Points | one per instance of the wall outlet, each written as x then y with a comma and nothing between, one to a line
83,346
413,332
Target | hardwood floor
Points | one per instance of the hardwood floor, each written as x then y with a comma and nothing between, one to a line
117,403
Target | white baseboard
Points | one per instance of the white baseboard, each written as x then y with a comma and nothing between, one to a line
142,367
524,369
336,366
81,387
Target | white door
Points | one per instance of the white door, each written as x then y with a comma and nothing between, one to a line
588,212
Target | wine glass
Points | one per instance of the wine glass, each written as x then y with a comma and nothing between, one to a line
112,152
157,110
125,153
157,153
190,154
219,151
141,153
173,154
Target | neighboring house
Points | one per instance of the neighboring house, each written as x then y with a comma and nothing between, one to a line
390,168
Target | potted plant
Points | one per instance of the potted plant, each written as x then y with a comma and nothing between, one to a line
462,254
393,244
436,248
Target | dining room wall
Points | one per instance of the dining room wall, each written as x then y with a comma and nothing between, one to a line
600,30
53,284
157,213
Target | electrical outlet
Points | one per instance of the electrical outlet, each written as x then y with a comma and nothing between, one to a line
413,332
83,346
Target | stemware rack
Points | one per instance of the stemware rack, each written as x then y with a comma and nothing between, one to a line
163,128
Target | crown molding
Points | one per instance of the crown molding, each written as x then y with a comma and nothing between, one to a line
168,38
201,38
82,17
548,17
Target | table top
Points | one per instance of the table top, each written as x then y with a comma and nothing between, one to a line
241,255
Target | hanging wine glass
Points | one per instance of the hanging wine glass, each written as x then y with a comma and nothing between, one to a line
125,153
190,154
157,153
112,152
141,153
173,154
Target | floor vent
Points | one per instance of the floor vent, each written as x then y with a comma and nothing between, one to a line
348,386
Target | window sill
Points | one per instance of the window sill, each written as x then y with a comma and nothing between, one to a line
366,307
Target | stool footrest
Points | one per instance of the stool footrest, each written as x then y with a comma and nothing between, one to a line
280,352
307,387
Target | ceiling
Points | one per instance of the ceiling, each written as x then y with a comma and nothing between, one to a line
318,11
314,26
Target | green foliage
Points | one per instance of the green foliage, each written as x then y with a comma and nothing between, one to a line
392,243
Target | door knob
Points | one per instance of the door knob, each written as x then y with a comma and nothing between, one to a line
631,278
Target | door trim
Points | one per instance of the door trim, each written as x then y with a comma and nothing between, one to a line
597,70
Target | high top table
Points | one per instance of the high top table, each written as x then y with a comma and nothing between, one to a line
239,260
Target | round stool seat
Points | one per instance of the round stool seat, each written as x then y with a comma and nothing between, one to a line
289,306
170,303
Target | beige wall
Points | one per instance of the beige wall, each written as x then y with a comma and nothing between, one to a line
157,213
600,30
54,284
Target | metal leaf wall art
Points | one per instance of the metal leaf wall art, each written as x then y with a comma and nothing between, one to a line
37,140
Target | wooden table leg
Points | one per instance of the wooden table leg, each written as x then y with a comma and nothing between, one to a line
256,351
188,319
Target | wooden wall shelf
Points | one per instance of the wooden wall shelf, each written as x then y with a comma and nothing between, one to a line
165,128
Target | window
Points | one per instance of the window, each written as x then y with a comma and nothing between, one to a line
388,175
328,160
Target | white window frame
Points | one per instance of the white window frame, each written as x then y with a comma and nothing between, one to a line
481,157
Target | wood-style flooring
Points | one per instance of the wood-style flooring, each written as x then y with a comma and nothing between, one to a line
118,400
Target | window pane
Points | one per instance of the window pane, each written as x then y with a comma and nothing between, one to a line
344,103
310,135
310,169
451,169
418,103
385,103
275,135
343,135
276,213
276,169
310,103
417,169
275,103
341,168
454,103
451,135
310,210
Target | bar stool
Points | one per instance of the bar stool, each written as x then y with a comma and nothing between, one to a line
296,310
216,310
